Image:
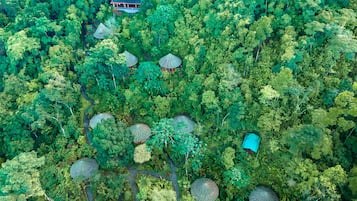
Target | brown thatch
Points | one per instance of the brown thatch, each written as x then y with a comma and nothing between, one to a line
170,61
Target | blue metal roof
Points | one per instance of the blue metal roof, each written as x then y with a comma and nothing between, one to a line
251,142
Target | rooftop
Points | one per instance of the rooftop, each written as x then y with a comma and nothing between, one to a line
127,1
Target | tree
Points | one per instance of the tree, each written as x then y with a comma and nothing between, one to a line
113,142
310,140
162,23
148,76
20,177
104,66
14,133
18,47
180,146
353,181
54,103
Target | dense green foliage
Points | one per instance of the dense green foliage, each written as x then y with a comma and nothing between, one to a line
285,69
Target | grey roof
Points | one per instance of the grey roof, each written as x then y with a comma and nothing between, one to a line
131,60
83,168
102,31
141,132
170,61
183,124
98,118
204,189
263,193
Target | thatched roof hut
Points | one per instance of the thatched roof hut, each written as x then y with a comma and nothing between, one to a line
131,60
204,189
83,168
141,132
170,62
183,124
102,31
263,193
98,118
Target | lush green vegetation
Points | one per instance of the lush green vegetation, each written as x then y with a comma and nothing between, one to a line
286,69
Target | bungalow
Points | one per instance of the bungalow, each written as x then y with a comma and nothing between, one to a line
170,63
128,6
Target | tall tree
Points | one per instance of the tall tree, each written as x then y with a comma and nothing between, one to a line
20,177
162,23
113,142
149,77
104,66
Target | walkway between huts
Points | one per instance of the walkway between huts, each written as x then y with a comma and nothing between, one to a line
132,170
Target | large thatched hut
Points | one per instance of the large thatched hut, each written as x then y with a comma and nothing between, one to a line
170,63
102,31
183,124
204,189
98,118
83,168
131,60
263,193
141,132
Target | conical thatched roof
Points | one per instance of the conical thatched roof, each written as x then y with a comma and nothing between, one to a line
102,31
131,60
141,132
183,124
263,193
98,118
204,189
170,61
83,168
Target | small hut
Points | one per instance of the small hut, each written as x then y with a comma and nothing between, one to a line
141,132
98,118
131,60
183,124
170,62
251,143
263,193
204,189
83,168
102,31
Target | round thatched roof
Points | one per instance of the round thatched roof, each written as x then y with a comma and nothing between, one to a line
98,118
263,193
183,124
101,32
131,60
141,132
204,189
83,168
170,61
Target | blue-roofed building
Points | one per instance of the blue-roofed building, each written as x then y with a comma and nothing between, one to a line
128,6
251,143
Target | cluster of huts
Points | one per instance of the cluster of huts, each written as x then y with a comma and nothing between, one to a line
202,189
